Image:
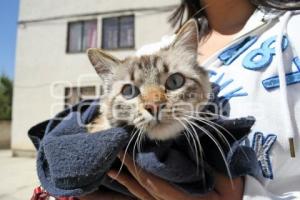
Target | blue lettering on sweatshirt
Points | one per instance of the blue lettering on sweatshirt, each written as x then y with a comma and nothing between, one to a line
291,78
224,83
233,52
261,58
262,146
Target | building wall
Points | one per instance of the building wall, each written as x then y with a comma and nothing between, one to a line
34,9
44,69
5,127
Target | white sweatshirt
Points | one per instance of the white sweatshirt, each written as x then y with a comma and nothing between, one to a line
260,75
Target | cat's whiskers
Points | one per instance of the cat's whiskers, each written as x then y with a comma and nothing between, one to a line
140,139
211,122
141,131
218,146
133,134
219,133
194,142
204,113
187,135
196,153
221,127
214,125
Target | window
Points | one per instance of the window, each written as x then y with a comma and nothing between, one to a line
74,95
81,36
118,32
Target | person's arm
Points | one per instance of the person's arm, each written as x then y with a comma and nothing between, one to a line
101,195
146,186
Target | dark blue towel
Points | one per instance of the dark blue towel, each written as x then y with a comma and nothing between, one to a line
71,162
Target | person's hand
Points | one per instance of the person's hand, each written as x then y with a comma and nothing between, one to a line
101,195
146,186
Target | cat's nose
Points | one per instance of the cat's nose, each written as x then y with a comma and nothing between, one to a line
153,108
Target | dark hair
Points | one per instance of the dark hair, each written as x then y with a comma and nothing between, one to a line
195,10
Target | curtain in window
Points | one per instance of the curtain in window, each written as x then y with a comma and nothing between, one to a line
126,31
110,33
89,34
75,32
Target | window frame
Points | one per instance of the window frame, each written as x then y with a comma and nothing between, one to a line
77,91
82,22
119,33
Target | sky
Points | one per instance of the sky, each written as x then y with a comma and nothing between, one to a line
9,10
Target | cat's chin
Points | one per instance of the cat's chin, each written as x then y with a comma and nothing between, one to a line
165,131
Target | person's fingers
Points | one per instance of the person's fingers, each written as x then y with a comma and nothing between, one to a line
104,195
131,184
226,186
130,164
161,189
156,186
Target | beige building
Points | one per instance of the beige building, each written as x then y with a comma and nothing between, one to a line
52,69
5,127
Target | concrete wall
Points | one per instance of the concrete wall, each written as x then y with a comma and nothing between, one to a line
35,9
5,131
44,69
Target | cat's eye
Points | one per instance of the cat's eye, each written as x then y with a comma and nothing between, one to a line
175,81
130,91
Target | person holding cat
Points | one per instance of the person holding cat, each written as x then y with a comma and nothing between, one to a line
250,49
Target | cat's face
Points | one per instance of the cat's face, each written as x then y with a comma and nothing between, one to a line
157,92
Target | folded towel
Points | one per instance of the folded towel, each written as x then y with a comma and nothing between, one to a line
72,162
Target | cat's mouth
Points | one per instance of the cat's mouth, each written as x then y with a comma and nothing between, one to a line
162,130
158,122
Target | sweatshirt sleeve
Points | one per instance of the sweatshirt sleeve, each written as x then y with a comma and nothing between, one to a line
254,190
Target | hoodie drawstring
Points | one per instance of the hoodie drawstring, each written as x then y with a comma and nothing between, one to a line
283,86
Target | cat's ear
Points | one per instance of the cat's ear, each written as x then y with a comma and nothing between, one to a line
103,62
187,37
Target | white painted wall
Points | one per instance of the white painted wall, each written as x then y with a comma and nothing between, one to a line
44,69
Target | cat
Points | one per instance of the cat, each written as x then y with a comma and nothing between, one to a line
158,93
